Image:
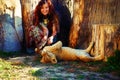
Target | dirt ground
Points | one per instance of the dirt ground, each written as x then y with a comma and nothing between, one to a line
63,70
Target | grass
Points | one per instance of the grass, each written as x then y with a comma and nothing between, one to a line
9,54
113,64
81,77
6,70
36,73
56,79
9,71
15,72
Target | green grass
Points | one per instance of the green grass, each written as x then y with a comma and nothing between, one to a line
36,73
55,79
11,72
56,65
4,65
81,77
113,63
6,70
9,54
94,63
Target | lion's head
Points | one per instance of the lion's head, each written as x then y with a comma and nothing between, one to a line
48,53
48,57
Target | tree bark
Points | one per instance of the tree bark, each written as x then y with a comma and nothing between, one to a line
109,34
27,17
25,20
77,21
100,22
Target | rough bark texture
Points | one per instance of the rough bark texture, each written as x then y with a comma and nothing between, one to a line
25,18
101,20
27,10
106,37
77,21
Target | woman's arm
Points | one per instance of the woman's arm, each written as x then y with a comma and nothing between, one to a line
55,28
54,31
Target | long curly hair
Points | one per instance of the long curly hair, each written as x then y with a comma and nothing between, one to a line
52,16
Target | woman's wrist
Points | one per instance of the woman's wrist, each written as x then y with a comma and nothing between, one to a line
51,38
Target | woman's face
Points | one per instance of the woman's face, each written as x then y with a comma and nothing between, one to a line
45,9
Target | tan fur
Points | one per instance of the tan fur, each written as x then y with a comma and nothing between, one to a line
57,52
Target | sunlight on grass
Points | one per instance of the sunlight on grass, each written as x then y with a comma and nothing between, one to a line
6,70
5,65
36,72
9,71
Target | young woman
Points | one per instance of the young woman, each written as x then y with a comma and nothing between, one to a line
45,25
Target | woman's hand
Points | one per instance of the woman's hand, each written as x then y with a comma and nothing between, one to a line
50,40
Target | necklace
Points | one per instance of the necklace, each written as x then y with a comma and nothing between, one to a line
45,21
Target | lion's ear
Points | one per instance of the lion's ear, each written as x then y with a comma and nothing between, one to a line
43,53
57,45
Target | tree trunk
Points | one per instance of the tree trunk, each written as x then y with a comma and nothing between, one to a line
77,21
106,37
25,20
97,20
27,13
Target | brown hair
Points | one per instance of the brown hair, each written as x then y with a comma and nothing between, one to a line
52,16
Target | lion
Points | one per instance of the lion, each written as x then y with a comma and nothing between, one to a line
55,52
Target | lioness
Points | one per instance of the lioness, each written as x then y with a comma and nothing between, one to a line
57,52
